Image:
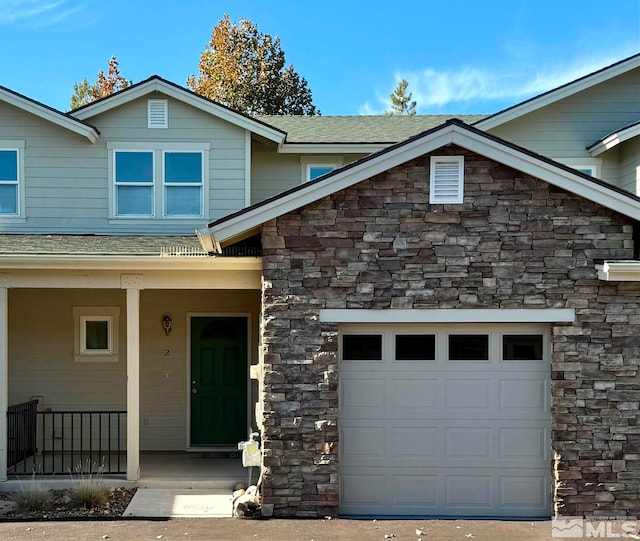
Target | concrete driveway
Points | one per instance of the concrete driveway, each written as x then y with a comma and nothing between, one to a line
279,530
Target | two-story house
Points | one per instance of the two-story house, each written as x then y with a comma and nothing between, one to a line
418,314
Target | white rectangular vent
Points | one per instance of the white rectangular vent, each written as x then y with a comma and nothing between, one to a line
447,179
157,114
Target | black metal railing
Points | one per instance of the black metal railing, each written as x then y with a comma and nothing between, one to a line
67,440
21,432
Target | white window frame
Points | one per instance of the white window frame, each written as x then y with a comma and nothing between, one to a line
159,205
593,164
84,314
459,195
166,184
309,162
18,148
151,185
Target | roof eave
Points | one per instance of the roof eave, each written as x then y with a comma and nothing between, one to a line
613,140
49,114
332,148
157,84
619,271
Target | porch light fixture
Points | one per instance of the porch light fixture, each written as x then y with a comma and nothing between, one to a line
166,324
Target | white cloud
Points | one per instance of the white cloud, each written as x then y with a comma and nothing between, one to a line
435,90
37,13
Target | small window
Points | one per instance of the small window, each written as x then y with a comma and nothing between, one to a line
468,347
362,347
96,332
314,167
134,183
522,347
157,114
9,182
415,347
316,171
447,179
183,183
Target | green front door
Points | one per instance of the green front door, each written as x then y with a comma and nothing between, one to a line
218,381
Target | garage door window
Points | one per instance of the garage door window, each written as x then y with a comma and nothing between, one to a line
362,347
415,347
522,347
468,347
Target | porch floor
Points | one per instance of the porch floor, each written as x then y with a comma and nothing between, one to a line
157,470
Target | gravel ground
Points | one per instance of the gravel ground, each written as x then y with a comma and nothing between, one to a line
229,529
59,506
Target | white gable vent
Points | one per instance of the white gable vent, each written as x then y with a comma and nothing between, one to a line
447,179
157,114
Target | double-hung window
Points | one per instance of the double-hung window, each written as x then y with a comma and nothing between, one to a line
9,180
134,179
159,180
182,183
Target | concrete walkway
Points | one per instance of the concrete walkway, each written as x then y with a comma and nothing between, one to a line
180,503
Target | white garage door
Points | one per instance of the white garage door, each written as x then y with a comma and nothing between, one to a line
445,420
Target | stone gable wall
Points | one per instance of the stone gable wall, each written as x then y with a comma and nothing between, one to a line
516,242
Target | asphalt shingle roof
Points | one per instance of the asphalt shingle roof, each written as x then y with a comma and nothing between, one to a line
357,129
93,245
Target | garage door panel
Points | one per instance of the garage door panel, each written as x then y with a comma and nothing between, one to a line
446,438
524,492
469,443
523,395
522,444
464,395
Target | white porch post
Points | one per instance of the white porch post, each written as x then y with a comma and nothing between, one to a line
4,378
133,284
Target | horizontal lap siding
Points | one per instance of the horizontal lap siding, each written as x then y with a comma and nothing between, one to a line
630,164
564,129
67,183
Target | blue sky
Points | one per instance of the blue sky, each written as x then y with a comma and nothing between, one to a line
459,57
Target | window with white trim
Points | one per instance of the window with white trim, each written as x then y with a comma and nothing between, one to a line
96,333
313,168
446,179
164,182
10,181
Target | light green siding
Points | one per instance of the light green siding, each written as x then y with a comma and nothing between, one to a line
273,173
630,165
67,186
41,361
564,129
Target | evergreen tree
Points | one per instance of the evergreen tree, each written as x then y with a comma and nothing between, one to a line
401,103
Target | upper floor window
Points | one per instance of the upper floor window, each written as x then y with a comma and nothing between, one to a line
9,182
159,182
313,167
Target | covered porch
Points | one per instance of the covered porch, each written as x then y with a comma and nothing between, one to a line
118,353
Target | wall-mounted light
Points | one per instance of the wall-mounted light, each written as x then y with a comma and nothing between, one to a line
166,324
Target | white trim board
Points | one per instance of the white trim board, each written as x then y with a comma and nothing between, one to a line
453,132
614,139
462,315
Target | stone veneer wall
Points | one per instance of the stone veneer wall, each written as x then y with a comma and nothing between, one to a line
516,242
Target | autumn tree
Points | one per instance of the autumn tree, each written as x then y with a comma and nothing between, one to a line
401,103
105,85
246,70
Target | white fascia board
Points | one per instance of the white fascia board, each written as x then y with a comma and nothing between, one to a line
550,173
137,263
51,116
453,315
315,191
619,271
475,142
559,94
614,140
332,148
157,85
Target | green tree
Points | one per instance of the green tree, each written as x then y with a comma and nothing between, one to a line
246,70
401,103
106,84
